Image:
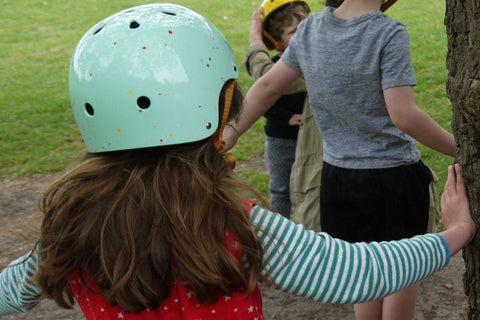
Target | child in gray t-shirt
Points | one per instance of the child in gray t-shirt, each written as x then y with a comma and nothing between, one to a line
359,77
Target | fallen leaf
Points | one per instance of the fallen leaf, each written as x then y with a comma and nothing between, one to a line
448,285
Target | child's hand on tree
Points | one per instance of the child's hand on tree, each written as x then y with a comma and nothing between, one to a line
460,228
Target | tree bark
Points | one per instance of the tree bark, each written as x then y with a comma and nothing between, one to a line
462,20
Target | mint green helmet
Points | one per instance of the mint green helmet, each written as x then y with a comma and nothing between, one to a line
149,76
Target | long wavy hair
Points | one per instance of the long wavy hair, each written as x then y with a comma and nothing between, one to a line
141,220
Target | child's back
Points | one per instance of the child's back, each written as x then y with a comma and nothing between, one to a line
145,220
355,61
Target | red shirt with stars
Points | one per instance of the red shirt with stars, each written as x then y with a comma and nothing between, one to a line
181,303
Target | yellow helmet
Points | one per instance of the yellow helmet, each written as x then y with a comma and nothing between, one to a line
270,6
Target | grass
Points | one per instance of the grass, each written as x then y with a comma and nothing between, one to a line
38,132
256,178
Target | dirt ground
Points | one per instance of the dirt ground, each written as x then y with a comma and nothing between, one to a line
441,295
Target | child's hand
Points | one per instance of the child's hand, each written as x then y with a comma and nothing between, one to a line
256,27
454,202
229,136
456,210
295,120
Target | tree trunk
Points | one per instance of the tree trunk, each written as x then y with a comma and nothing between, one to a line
463,88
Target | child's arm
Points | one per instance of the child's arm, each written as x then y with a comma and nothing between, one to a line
331,270
258,62
263,93
18,291
413,121
322,268
256,27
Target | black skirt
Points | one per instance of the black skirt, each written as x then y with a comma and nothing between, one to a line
375,204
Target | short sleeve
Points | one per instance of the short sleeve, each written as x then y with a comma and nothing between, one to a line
396,61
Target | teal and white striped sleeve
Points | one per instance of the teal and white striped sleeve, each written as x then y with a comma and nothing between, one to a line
18,291
317,266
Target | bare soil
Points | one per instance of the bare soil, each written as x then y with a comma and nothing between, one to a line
441,295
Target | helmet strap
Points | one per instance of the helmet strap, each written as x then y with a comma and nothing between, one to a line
275,43
217,136
387,4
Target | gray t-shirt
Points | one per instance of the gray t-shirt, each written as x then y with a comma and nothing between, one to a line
347,64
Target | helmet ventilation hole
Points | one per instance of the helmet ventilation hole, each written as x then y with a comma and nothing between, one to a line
169,13
143,102
98,30
89,109
134,25
235,68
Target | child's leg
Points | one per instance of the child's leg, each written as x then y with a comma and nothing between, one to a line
398,306
406,192
279,158
371,310
388,204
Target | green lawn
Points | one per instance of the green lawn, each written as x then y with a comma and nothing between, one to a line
38,133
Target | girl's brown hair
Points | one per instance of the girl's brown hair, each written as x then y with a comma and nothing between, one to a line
141,220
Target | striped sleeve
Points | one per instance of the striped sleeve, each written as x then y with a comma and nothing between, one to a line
18,292
320,267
